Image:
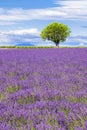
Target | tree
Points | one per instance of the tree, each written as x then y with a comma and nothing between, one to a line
56,32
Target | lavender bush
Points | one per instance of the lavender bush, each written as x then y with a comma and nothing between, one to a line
43,89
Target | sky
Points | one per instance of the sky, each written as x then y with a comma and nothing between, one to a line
21,21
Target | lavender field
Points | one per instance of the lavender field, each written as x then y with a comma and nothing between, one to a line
43,89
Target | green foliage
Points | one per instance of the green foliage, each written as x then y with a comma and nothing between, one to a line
32,128
21,121
80,99
3,96
12,74
55,32
26,100
12,89
66,110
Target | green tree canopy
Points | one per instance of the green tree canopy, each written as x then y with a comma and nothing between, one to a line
55,32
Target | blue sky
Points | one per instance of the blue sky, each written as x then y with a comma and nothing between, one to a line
21,21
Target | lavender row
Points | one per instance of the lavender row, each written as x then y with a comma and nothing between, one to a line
43,89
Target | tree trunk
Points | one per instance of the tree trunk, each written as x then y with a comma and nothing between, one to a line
57,44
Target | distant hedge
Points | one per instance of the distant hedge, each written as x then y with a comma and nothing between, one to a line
41,47
27,47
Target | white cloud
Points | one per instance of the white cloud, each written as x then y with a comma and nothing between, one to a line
74,4
29,14
4,39
69,9
80,40
75,9
19,36
6,23
81,44
24,31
